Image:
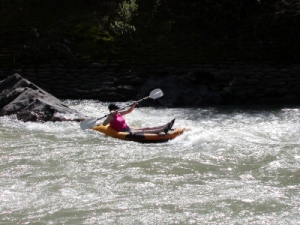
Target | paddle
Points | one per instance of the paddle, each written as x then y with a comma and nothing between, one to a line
89,123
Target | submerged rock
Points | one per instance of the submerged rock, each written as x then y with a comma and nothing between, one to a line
31,103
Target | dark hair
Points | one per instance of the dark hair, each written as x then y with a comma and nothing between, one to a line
113,107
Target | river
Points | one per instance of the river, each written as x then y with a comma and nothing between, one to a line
236,165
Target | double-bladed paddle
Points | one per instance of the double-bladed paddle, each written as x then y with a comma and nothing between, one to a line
89,123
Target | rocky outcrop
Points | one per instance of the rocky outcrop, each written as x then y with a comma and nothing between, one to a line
31,103
189,89
184,85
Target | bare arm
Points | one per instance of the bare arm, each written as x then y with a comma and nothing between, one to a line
109,118
124,112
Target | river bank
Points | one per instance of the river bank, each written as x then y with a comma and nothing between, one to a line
183,85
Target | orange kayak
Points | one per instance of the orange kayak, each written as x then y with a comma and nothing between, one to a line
141,136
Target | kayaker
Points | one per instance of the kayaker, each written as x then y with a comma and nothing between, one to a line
117,122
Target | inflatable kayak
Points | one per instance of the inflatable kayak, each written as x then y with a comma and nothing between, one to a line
140,136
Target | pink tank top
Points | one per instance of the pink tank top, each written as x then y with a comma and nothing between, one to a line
118,122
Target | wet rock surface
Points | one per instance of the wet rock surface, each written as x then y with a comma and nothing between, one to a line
30,103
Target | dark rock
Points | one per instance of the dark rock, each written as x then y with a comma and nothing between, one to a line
203,90
31,103
240,80
283,91
251,91
252,81
189,96
241,94
96,65
276,84
236,83
213,98
270,90
170,69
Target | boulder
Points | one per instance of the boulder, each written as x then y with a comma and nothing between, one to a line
31,103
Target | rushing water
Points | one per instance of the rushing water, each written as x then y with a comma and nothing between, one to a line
235,166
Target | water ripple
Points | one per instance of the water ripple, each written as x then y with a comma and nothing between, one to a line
235,166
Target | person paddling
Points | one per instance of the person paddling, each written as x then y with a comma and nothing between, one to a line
117,122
